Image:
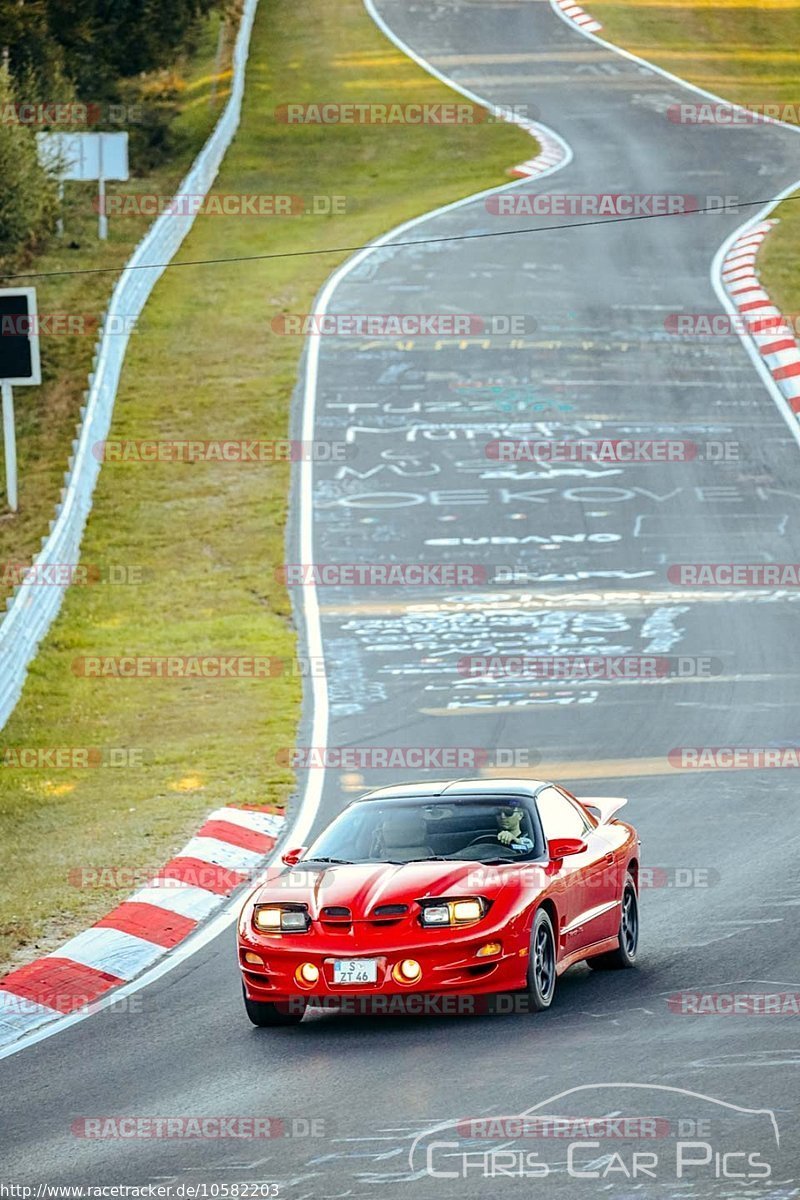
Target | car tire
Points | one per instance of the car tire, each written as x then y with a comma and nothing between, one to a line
541,963
268,1015
625,954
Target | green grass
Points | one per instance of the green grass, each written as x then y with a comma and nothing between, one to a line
779,259
209,536
744,52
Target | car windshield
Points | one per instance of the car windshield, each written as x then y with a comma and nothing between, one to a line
402,831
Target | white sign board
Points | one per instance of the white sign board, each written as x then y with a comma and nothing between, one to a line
19,363
82,156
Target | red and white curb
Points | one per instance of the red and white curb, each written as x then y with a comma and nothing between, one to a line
224,853
578,15
776,343
552,154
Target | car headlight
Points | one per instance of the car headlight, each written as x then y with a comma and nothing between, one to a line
272,918
453,912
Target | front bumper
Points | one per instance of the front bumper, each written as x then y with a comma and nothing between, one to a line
448,967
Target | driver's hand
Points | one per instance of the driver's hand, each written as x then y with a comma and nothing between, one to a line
506,837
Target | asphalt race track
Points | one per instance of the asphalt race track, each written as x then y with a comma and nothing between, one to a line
576,560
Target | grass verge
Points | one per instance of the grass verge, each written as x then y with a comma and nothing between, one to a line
207,538
744,52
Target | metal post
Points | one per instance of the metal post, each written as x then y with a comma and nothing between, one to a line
60,217
102,223
102,220
10,444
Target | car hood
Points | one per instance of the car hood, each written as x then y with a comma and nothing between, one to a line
363,887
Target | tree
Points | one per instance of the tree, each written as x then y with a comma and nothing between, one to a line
28,195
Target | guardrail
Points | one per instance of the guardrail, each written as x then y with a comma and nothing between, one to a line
33,607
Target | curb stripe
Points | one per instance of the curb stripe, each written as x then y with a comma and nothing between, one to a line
777,343
60,984
190,887
551,154
775,347
578,16
263,822
787,372
110,950
187,869
18,1015
237,835
223,854
178,897
157,925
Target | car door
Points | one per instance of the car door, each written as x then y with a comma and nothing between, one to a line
590,897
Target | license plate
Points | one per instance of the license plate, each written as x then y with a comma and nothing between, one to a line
355,970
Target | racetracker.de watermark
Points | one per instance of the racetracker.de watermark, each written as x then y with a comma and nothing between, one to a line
413,758
413,574
69,574
532,1126
732,324
595,204
734,758
610,450
71,1002
216,204
735,1004
71,113
222,450
65,324
719,113
397,325
176,875
70,758
187,1128
588,666
379,112
757,575
538,875
178,666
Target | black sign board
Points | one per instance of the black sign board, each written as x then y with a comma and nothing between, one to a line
19,337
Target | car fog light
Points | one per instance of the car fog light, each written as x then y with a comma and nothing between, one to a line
255,959
407,970
307,973
489,949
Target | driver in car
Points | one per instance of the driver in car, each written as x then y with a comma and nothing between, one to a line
509,821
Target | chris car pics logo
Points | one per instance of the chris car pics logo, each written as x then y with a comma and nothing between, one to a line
660,1133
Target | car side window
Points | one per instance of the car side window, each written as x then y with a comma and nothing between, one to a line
560,818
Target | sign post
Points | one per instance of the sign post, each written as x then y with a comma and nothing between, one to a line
87,156
20,364
10,445
102,220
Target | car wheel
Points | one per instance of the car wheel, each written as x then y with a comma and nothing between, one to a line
265,1014
541,963
625,954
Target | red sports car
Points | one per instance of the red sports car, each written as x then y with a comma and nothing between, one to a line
436,889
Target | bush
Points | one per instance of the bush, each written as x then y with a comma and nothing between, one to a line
28,194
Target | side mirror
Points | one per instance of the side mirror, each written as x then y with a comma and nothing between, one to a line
293,856
559,848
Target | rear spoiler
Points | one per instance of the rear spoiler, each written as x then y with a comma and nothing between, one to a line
603,807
